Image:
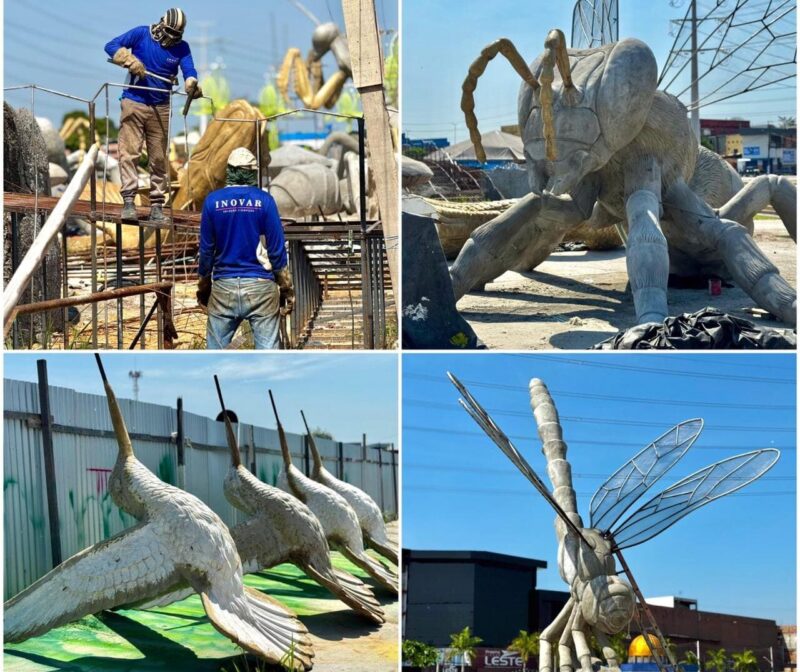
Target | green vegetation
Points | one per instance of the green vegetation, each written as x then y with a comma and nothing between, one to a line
463,643
526,644
419,654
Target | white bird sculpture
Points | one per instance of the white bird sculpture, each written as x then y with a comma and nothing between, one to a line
369,513
178,542
334,513
280,528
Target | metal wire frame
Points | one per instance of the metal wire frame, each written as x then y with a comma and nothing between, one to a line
372,260
719,33
696,490
637,475
91,104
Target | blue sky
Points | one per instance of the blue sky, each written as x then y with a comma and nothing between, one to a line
60,45
345,394
441,38
737,555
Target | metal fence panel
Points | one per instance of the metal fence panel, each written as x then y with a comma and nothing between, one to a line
85,451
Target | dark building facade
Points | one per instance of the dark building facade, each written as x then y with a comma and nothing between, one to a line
494,594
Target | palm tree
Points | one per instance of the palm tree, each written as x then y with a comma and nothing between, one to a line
717,659
464,643
690,658
787,122
526,644
745,661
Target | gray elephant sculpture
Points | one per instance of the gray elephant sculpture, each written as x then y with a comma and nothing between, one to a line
603,145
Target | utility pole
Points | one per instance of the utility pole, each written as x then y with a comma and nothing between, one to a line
202,43
135,375
695,83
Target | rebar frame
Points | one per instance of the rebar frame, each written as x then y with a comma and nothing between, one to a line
308,285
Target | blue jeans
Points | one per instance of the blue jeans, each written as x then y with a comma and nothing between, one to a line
234,300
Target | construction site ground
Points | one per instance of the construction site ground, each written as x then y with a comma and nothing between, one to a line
577,299
337,326
180,637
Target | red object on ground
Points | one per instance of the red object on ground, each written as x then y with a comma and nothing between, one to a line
715,287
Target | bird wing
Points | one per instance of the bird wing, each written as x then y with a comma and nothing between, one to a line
129,567
259,624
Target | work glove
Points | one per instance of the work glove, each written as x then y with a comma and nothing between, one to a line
192,88
284,279
126,59
203,291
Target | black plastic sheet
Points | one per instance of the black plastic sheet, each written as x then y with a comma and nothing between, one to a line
707,329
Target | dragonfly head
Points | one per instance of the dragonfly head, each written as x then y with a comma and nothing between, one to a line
607,603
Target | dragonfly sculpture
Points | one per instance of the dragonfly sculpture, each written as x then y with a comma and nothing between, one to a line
600,602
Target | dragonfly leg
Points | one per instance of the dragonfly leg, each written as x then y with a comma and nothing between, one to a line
608,653
581,646
550,636
565,659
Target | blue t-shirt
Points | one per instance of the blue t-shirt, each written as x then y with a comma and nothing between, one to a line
159,60
233,222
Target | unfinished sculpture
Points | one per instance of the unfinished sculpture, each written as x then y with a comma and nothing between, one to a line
280,528
179,542
337,517
603,145
601,603
369,513
309,82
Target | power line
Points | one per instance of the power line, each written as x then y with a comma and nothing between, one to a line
528,493
609,397
615,444
603,421
575,475
667,372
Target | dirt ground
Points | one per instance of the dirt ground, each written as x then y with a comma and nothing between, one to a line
577,299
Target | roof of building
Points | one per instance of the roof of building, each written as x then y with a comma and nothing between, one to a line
497,145
763,130
481,557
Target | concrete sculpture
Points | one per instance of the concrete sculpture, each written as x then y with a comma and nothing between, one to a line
280,528
604,146
309,82
179,542
369,513
600,602
337,517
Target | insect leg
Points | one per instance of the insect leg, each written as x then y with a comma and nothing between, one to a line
550,636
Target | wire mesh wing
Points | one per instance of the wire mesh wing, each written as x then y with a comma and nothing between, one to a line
488,425
636,476
694,491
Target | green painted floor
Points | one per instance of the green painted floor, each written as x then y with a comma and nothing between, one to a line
180,637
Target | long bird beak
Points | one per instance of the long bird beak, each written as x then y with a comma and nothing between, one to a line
123,439
312,444
233,446
281,433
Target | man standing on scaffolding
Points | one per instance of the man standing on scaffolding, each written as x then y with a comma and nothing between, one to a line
145,51
243,265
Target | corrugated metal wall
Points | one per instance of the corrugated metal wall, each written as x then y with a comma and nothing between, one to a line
85,453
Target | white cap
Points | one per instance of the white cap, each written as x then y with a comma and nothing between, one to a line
241,157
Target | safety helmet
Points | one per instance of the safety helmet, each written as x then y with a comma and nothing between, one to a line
241,157
169,30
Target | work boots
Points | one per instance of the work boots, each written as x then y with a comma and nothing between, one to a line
157,214
129,210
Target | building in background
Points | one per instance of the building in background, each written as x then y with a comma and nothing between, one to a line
496,595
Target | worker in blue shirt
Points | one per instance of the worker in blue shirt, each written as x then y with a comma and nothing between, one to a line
158,49
243,266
